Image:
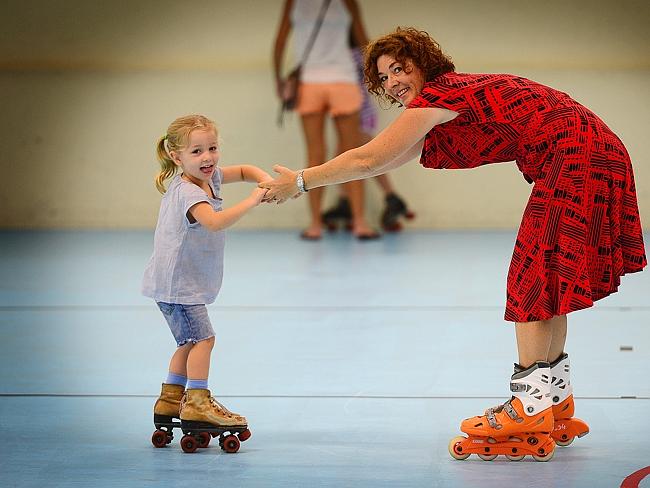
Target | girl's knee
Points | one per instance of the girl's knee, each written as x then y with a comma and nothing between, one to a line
209,342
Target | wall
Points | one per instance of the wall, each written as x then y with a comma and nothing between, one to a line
87,88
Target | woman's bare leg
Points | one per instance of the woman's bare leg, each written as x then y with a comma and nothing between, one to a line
313,126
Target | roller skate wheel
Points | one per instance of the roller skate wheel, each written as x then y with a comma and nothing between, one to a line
544,458
410,215
513,457
245,435
564,443
455,450
159,438
487,457
231,444
189,444
331,227
393,227
204,439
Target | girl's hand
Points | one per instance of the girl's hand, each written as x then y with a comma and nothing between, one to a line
282,187
257,196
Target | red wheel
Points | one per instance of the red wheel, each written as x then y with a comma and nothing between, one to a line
410,215
159,438
245,435
204,439
396,227
231,444
189,444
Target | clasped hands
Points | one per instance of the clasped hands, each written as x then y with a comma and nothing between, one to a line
282,187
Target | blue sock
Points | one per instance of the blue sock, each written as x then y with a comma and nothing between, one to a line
197,384
176,379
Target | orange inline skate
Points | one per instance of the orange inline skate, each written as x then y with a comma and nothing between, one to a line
566,428
521,426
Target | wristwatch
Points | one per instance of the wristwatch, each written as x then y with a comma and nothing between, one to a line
300,182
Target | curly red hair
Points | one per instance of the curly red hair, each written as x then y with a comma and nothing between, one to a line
405,43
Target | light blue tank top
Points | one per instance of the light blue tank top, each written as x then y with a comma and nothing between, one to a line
187,262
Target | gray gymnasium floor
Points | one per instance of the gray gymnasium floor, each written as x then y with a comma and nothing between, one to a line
354,363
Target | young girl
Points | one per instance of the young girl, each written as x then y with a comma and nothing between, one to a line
184,274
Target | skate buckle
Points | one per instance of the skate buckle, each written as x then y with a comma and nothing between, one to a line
517,387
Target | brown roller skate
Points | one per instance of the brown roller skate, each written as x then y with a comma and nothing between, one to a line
202,417
166,414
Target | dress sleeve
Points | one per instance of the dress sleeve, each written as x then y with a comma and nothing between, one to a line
436,96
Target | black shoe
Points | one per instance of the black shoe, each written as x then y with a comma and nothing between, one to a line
395,208
340,214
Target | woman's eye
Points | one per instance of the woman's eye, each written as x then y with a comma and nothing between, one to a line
397,69
382,79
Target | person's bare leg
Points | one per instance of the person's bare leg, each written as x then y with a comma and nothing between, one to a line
385,184
543,340
533,341
559,326
198,360
178,362
349,137
313,126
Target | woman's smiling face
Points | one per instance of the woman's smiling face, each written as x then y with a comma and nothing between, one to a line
401,81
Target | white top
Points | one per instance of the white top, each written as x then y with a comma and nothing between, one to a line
330,59
187,262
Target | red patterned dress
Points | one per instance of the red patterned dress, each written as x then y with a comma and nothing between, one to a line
581,229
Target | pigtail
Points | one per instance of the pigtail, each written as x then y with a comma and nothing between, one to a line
167,165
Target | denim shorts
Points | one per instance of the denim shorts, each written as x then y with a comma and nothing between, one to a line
188,323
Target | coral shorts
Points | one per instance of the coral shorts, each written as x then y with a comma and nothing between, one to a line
334,98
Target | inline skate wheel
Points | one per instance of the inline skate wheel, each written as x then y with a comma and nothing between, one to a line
513,457
487,457
455,450
564,443
544,458
189,444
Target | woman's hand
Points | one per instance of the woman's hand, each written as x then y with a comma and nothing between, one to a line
282,187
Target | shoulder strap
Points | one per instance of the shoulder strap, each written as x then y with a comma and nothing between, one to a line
314,33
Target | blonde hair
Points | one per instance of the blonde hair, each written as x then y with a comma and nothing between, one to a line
176,139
